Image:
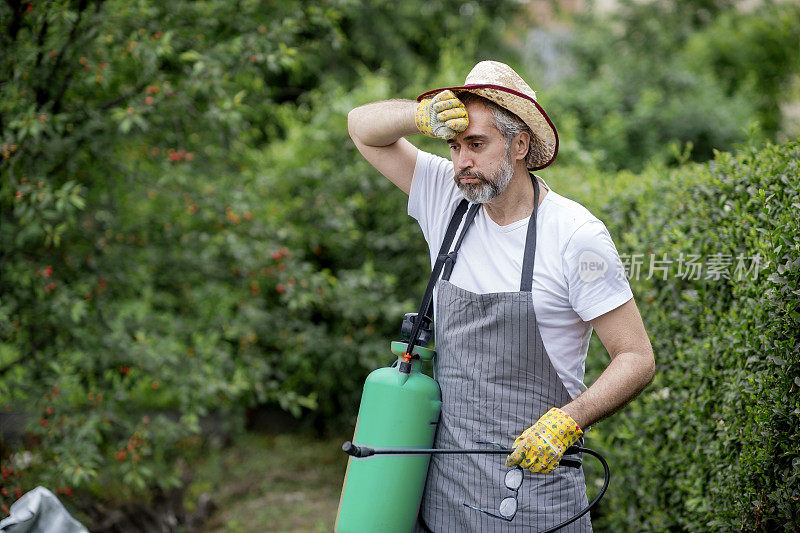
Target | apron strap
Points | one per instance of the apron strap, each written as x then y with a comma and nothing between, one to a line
526,284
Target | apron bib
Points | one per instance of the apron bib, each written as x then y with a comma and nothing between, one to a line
496,380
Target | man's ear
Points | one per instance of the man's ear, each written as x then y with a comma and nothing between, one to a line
520,145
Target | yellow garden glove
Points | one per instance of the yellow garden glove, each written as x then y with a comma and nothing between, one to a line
443,116
540,447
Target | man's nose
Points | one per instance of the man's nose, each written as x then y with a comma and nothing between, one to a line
463,160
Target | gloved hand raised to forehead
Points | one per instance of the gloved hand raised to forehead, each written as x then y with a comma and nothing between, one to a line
540,447
443,116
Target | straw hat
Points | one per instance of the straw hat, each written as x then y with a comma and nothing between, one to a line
499,83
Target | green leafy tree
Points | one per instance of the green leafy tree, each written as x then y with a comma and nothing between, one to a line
651,76
183,222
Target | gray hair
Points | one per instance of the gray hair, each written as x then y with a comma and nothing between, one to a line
507,123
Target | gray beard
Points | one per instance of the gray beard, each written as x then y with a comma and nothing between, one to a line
487,189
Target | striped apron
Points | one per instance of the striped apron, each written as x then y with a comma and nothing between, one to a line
496,380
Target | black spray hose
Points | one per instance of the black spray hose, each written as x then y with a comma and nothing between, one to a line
361,451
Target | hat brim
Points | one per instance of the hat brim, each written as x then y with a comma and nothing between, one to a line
519,104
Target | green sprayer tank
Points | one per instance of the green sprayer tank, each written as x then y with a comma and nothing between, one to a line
383,493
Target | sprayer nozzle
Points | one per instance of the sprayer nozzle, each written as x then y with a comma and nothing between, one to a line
357,451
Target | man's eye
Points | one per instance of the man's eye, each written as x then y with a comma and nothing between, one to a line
454,147
477,145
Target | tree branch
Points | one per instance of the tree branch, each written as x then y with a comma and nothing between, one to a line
62,53
16,20
139,88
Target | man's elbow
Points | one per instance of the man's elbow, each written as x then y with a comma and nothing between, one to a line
649,367
355,124
351,122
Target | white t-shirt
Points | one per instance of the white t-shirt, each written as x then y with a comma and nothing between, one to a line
577,274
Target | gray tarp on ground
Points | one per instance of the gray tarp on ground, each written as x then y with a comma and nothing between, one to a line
40,511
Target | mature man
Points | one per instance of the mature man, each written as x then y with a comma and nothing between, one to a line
534,275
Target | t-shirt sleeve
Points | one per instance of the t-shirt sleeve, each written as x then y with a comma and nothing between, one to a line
596,277
432,195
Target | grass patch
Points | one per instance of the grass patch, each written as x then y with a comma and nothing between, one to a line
281,483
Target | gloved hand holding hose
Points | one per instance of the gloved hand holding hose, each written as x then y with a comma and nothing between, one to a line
540,447
442,117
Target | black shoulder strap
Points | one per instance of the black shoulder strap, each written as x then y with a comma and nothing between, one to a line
450,258
444,257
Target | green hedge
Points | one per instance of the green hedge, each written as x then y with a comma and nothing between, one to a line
713,443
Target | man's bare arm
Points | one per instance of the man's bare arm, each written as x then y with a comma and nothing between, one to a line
377,129
631,369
